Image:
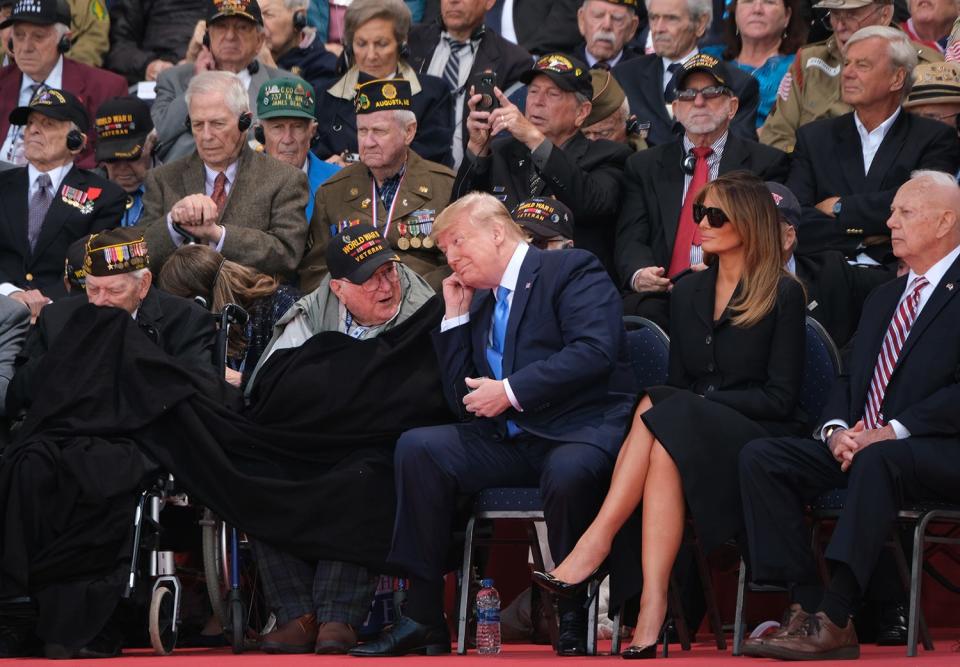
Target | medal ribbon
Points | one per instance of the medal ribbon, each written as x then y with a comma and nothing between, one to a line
376,200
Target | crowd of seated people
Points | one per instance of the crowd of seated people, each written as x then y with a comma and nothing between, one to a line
436,215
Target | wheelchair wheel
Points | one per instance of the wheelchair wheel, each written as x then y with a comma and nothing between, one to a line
163,632
238,624
214,565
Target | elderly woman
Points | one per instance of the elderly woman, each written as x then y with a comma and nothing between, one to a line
375,36
762,38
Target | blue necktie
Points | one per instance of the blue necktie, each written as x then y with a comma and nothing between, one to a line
498,334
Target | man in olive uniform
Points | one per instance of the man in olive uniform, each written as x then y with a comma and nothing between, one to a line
810,89
89,31
391,188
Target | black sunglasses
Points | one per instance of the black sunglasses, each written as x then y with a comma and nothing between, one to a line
709,93
715,217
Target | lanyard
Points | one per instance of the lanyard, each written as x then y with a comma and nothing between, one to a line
375,200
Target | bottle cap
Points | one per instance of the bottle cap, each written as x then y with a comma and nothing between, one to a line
486,583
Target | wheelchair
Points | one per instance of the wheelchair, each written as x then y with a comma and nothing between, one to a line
228,565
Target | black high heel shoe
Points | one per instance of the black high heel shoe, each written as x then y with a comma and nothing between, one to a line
551,584
650,651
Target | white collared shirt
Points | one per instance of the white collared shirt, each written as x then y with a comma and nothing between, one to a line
933,275
245,78
507,30
666,62
508,280
870,141
53,80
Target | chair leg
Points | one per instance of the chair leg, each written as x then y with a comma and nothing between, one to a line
679,618
615,642
548,599
713,611
593,613
738,629
916,579
908,577
465,587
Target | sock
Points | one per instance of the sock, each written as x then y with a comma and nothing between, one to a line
842,596
424,603
808,596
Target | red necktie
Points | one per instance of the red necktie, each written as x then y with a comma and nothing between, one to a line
219,195
688,233
893,342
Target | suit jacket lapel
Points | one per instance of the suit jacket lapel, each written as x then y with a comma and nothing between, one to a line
938,300
17,205
519,168
194,177
521,295
850,154
888,151
703,296
668,183
734,155
240,179
654,94
869,338
481,309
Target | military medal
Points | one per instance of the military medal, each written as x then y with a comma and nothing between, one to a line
403,242
80,199
427,242
424,225
415,242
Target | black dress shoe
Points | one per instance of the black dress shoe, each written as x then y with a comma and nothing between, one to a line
550,583
892,627
406,636
100,647
572,638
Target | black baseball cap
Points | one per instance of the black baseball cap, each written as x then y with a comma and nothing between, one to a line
787,205
53,103
40,12
544,217
567,72
702,62
122,125
356,252
248,9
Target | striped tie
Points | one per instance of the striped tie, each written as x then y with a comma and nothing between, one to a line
451,73
893,342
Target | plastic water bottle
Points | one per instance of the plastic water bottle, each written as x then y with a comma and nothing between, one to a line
488,619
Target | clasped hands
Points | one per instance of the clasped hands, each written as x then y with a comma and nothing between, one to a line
198,215
482,126
845,444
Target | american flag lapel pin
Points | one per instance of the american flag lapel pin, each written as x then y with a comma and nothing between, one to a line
527,286
949,286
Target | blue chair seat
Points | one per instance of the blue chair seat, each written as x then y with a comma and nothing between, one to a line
508,499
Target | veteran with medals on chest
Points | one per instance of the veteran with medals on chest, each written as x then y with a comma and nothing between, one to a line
391,188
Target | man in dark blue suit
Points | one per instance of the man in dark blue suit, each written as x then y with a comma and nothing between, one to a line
889,434
532,344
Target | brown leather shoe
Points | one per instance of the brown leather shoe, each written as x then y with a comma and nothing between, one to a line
793,618
816,638
296,636
335,637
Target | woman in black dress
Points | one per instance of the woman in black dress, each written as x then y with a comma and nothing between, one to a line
736,361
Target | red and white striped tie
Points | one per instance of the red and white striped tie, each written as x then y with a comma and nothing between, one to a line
893,342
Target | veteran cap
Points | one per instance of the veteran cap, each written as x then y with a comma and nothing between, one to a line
248,9
122,125
630,4
382,95
934,83
608,96
786,202
40,12
286,97
356,252
120,250
73,264
56,104
702,62
544,218
849,4
568,73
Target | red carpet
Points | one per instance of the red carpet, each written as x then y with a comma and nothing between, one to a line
702,655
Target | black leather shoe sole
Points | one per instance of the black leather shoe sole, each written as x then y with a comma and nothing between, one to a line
286,649
429,649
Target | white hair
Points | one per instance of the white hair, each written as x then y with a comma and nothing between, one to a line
697,8
404,117
940,178
140,273
61,29
227,84
903,54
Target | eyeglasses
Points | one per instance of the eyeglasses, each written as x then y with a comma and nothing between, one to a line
387,273
834,16
715,217
709,93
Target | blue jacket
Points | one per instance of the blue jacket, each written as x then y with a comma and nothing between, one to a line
318,171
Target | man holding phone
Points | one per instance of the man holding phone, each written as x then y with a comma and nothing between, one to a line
545,154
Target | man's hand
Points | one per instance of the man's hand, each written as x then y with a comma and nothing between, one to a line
265,56
478,127
456,296
209,231
826,206
196,42
508,117
155,67
194,210
842,445
32,299
204,61
233,377
488,398
651,279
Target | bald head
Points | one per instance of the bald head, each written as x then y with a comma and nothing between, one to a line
925,219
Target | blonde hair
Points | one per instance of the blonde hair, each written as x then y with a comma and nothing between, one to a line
747,202
480,209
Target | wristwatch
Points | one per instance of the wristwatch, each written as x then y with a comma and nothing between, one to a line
830,430
837,205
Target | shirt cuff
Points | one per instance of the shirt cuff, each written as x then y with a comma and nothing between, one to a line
175,236
832,422
218,246
453,323
633,280
510,395
6,289
899,429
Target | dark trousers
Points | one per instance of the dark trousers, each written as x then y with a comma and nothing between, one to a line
779,475
435,464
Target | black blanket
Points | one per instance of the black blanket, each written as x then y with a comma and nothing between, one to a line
308,468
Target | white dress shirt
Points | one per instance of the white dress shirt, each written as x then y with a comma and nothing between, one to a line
870,141
209,181
438,63
933,275
508,280
507,30
666,62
